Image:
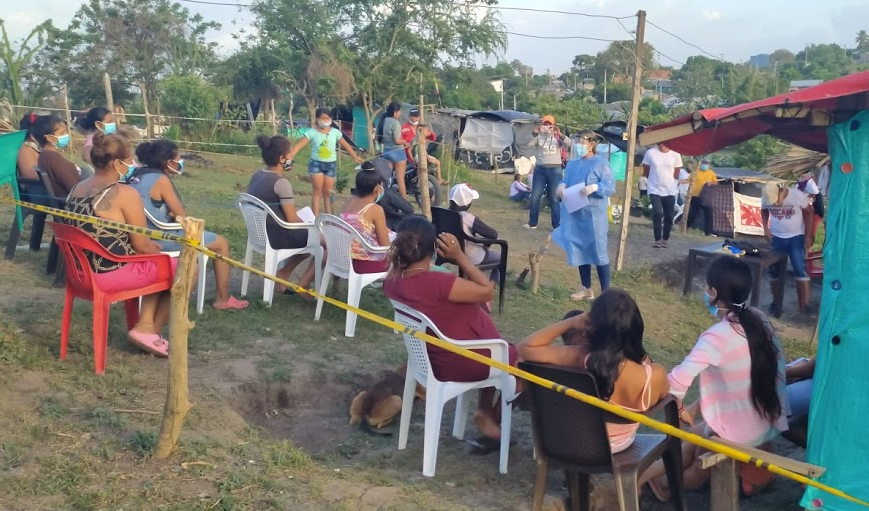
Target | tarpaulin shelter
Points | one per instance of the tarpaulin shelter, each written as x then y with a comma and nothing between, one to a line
494,139
832,117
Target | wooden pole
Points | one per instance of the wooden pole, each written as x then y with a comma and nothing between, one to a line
688,199
632,138
149,127
274,116
107,83
422,156
65,90
177,404
292,126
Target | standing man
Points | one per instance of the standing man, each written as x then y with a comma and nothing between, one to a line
662,167
788,222
408,133
548,172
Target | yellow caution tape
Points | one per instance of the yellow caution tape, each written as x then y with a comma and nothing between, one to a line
519,373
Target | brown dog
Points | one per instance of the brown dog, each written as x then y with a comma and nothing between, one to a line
381,403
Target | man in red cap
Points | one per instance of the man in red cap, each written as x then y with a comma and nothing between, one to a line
408,133
548,171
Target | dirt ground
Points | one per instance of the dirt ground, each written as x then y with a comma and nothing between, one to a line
271,403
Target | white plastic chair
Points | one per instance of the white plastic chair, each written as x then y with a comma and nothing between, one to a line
339,238
439,392
202,258
255,213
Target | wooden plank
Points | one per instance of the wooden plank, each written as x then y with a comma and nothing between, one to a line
710,459
724,492
797,467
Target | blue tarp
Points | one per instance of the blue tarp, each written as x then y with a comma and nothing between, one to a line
840,401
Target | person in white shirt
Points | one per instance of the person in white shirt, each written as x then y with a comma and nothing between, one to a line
643,185
662,167
788,218
461,197
519,191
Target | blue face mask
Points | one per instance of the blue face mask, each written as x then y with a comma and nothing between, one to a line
704,166
580,150
180,164
380,195
62,141
707,299
110,128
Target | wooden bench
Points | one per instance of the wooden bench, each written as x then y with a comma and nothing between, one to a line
724,479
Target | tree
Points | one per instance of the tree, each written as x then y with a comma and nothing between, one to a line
137,42
617,61
652,112
782,56
189,96
862,40
18,82
753,154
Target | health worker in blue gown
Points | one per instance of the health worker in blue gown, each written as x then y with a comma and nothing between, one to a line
583,233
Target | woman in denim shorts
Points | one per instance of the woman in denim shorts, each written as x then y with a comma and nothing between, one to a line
323,167
389,136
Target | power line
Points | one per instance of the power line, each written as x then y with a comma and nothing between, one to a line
532,36
684,41
669,58
205,2
548,11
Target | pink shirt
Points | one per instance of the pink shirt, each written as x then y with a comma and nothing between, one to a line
721,357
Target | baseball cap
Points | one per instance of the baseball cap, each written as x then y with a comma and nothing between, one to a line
462,194
414,112
548,118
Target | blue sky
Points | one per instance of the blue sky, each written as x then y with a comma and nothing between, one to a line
735,29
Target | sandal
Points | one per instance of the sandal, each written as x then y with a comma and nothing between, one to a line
152,343
231,303
658,491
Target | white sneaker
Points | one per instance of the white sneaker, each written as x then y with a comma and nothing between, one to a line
529,226
583,294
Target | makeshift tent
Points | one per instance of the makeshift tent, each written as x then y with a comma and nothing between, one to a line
494,140
834,118
735,202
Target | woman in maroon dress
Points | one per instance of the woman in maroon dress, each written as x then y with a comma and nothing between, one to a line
454,304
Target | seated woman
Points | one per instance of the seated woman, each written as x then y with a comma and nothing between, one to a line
28,153
161,160
271,186
52,135
607,341
363,213
101,195
461,197
742,379
98,120
453,303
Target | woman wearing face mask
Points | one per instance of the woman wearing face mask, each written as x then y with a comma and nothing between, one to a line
161,160
741,367
271,186
103,196
51,133
368,218
322,167
98,119
583,232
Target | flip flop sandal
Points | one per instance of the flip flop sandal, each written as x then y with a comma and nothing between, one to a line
152,343
232,303
484,445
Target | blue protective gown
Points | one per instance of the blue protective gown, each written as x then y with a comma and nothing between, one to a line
583,233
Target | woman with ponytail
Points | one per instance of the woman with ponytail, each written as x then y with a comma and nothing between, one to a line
454,304
607,341
742,379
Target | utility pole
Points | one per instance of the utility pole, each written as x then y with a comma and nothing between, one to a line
422,156
604,86
632,139
807,54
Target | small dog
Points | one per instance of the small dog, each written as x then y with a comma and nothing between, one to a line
381,403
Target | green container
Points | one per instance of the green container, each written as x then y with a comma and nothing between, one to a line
618,162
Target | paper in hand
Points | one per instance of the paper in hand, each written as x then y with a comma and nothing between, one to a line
574,199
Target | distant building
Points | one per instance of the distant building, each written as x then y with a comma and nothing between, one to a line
761,61
803,84
861,57
658,74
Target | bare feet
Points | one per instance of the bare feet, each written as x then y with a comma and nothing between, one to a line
487,425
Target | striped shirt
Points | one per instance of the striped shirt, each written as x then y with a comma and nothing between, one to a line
722,359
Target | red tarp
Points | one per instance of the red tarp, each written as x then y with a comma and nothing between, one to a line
707,131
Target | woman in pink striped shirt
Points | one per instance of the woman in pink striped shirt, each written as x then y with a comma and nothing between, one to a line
742,379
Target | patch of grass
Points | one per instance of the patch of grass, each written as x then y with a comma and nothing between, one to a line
143,443
284,454
107,418
11,456
52,409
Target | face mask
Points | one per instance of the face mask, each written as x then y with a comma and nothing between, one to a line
180,166
580,150
324,124
704,166
707,299
380,195
110,128
288,165
62,141
546,129
414,123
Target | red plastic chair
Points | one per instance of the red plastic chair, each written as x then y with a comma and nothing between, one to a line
75,245
815,264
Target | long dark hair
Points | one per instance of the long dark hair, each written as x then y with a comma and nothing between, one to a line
615,334
414,241
732,282
94,115
393,107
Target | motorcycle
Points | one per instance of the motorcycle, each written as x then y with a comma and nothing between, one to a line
411,184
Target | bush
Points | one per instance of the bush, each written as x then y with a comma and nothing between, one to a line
189,96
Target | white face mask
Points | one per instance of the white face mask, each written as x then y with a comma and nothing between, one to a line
324,124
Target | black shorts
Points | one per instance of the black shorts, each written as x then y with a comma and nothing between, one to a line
280,238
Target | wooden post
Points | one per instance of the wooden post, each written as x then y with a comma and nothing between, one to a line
688,199
724,493
107,83
422,156
149,127
632,138
177,404
65,90
534,267
274,116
